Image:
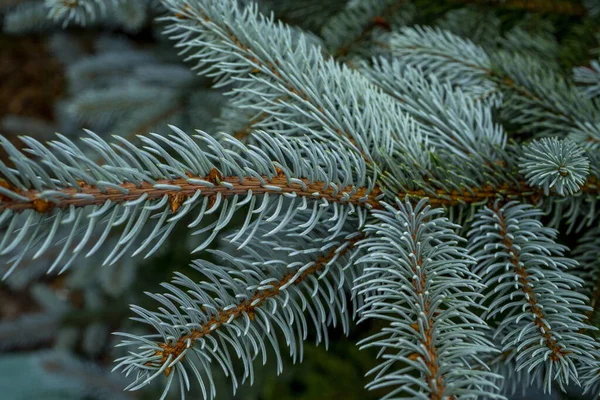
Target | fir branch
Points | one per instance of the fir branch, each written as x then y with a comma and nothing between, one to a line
541,100
173,350
335,182
533,299
81,193
163,182
241,305
552,163
538,99
416,277
199,12
268,64
183,189
352,17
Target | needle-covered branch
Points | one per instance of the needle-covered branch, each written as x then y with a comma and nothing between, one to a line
532,297
536,98
61,196
280,72
416,277
249,300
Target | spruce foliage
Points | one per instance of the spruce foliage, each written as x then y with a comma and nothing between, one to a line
375,162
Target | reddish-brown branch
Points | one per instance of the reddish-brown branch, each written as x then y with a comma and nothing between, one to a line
474,195
441,197
187,189
435,381
249,306
550,340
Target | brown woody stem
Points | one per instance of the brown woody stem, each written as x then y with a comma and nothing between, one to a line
550,340
315,190
249,306
130,191
476,195
435,381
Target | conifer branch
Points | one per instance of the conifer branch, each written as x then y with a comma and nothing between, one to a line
241,303
416,278
83,194
540,99
172,351
549,337
497,76
555,164
518,255
385,9
162,182
269,65
268,68
183,189
335,157
481,195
